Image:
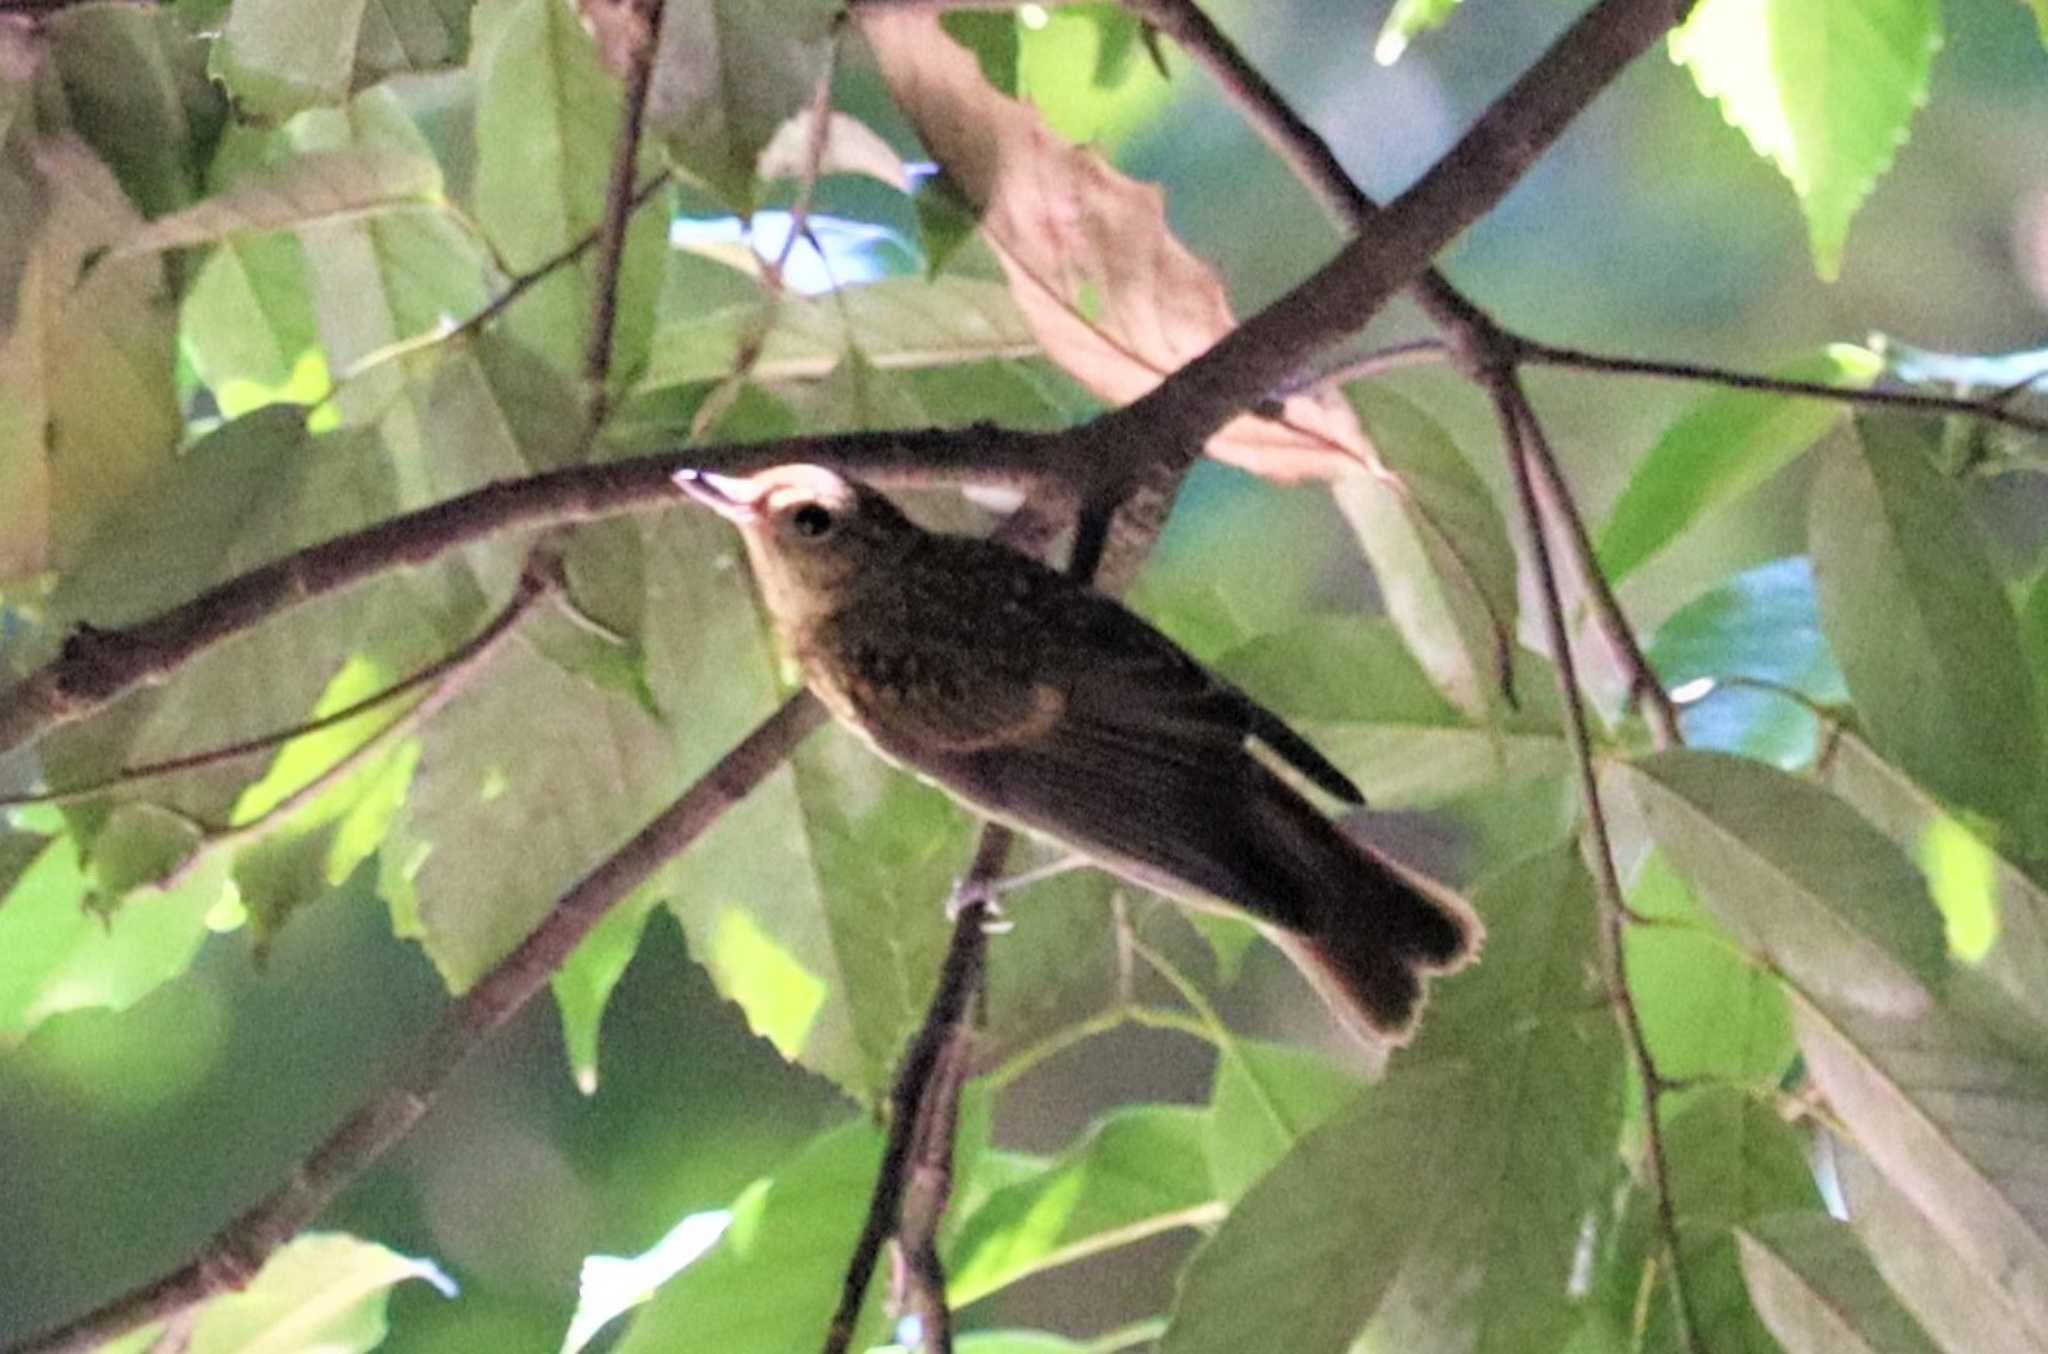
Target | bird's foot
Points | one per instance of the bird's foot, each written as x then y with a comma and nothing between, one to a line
982,894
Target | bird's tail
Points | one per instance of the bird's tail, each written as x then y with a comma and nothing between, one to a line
1364,932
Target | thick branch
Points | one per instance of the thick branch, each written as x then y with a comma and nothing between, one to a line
234,1255
1269,348
96,666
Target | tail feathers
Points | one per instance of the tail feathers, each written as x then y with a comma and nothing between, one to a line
1362,930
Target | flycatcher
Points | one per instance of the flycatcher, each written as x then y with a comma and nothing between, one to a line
1048,706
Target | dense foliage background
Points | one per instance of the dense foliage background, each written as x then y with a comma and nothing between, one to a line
240,245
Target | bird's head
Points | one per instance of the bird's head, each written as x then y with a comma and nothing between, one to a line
812,533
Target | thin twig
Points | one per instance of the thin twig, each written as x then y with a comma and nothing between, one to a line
618,214
1556,496
1511,407
945,1022
814,155
539,580
1989,409
233,1257
216,756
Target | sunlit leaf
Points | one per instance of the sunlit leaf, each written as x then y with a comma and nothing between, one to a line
57,954
2017,905
320,1291
1796,876
1085,70
1707,1010
1727,444
769,1285
1925,635
1406,21
1824,89
1137,1173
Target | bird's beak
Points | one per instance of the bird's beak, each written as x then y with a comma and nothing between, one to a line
733,497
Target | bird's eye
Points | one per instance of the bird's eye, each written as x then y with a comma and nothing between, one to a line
812,520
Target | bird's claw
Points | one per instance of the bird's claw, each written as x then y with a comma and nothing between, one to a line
980,893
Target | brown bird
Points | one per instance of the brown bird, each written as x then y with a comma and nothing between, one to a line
1048,706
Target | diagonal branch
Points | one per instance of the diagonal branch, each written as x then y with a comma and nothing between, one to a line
238,1251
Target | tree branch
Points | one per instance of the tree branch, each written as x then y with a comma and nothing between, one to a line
1512,406
238,1251
925,1097
618,214
95,666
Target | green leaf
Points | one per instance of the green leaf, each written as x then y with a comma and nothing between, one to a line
277,58
1796,876
818,902
1818,1292
1980,883
401,36
1953,1108
1265,1097
1727,444
1438,548
1377,1216
1137,1173
57,955
1707,1011
253,490
1732,1160
1924,633
500,827
247,326
1405,22
546,122
92,352
305,190
1085,71
895,324
1824,89
381,280
2040,9
583,984
318,847
1962,1308
1353,690
727,74
321,1290
134,85
1760,626
770,1285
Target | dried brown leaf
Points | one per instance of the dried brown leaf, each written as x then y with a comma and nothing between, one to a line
1111,294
